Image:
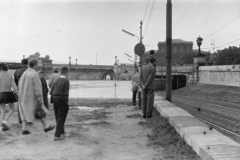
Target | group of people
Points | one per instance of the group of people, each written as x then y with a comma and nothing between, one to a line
143,85
29,88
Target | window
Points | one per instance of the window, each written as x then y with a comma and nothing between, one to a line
175,49
181,49
162,49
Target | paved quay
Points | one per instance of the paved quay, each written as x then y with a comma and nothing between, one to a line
208,143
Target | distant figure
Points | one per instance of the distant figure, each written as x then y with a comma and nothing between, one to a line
149,57
135,83
30,96
52,79
147,75
17,75
6,95
60,94
44,88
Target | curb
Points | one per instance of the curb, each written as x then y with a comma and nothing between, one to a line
208,143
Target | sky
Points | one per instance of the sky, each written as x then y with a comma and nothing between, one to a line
91,30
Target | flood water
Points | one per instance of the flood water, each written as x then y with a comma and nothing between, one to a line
100,89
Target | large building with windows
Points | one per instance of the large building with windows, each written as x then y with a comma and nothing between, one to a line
179,48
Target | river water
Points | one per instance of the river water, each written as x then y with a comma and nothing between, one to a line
100,89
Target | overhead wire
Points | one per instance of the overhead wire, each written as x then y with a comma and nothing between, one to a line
223,26
145,11
149,17
228,43
183,14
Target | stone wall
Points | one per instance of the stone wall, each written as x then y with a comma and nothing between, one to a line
228,75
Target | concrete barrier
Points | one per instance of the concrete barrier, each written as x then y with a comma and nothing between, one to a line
208,144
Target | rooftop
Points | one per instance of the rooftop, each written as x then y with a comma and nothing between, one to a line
177,41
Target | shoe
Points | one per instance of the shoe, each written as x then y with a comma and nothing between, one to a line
58,138
149,116
25,132
49,128
144,116
5,129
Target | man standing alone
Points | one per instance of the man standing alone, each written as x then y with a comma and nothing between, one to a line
147,75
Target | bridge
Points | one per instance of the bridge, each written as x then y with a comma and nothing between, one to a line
85,72
182,76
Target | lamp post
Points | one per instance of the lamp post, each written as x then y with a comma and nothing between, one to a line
115,68
199,43
69,60
76,61
140,40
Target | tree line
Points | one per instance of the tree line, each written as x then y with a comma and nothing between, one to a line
227,56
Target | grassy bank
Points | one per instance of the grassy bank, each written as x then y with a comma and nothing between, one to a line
165,138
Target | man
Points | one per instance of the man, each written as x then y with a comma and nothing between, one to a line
147,75
52,79
17,75
60,94
31,96
135,83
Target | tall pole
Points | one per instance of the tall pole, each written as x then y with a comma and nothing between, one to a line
76,61
169,52
140,58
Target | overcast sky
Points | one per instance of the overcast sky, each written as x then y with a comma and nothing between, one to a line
83,29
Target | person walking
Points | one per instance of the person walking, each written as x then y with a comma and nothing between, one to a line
44,88
17,75
52,79
6,95
135,83
147,75
60,94
30,96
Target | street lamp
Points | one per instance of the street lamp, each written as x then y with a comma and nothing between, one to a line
76,61
130,34
69,60
115,68
199,42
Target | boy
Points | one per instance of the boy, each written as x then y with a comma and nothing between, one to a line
60,94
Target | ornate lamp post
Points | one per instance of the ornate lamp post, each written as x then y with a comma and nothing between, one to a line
199,43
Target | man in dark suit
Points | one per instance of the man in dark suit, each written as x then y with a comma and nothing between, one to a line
17,75
146,77
60,95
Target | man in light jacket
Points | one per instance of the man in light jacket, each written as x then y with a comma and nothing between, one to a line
147,76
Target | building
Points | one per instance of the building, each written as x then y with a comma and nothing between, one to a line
179,48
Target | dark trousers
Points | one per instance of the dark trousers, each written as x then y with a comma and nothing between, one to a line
61,108
134,95
139,99
148,100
